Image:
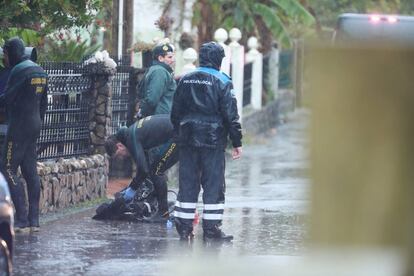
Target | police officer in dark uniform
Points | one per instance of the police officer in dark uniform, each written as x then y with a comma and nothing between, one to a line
149,133
25,99
204,113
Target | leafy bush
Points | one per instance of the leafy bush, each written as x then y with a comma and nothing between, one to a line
69,50
65,47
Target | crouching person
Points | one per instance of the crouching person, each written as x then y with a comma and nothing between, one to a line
149,142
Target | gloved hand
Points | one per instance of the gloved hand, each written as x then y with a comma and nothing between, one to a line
128,194
138,115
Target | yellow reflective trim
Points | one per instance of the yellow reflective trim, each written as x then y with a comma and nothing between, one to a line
38,81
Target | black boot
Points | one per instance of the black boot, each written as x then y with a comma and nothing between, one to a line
185,232
21,223
34,219
215,234
158,217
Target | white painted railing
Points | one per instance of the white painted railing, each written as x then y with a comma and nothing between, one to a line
221,37
256,58
237,67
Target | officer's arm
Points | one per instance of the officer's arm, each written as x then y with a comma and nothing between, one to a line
10,92
157,85
176,110
228,109
43,104
138,155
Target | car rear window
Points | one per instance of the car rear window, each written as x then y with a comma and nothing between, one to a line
389,28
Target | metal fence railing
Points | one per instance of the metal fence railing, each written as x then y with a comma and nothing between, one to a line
266,80
65,130
285,69
120,91
247,83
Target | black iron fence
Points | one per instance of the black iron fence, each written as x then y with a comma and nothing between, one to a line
65,131
121,88
286,66
247,83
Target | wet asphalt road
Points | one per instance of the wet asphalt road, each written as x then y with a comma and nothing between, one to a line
266,207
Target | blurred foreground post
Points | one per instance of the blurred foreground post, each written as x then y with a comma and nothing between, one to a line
362,152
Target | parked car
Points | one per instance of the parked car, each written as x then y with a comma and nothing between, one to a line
375,28
6,228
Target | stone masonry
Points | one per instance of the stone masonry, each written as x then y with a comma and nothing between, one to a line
66,182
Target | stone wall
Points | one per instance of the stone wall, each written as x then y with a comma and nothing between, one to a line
256,122
66,182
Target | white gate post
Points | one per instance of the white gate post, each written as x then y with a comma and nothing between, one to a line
256,58
237,69
189,56
220,35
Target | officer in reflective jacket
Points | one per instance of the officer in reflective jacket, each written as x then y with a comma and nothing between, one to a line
25,99
204,114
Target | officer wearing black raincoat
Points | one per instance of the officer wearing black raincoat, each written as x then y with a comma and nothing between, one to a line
204,114
25,100
149,142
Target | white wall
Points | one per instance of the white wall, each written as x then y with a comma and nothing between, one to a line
146,12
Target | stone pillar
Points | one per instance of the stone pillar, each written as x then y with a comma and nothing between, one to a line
237,69
100,110
220,35
256,58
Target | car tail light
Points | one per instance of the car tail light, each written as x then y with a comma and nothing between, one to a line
392,19
375,18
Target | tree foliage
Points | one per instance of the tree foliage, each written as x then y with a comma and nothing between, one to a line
264,18
46,16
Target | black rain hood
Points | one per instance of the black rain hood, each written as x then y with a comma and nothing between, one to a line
211,55
15,50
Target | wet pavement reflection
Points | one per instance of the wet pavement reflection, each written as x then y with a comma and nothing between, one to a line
266,207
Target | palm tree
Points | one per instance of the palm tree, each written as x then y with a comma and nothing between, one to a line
266,19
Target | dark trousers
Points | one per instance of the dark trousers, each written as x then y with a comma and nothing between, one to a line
200,167
23,154
161,159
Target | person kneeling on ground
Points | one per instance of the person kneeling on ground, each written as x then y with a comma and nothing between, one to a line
149,142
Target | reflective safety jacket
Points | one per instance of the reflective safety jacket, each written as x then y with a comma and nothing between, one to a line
204,111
